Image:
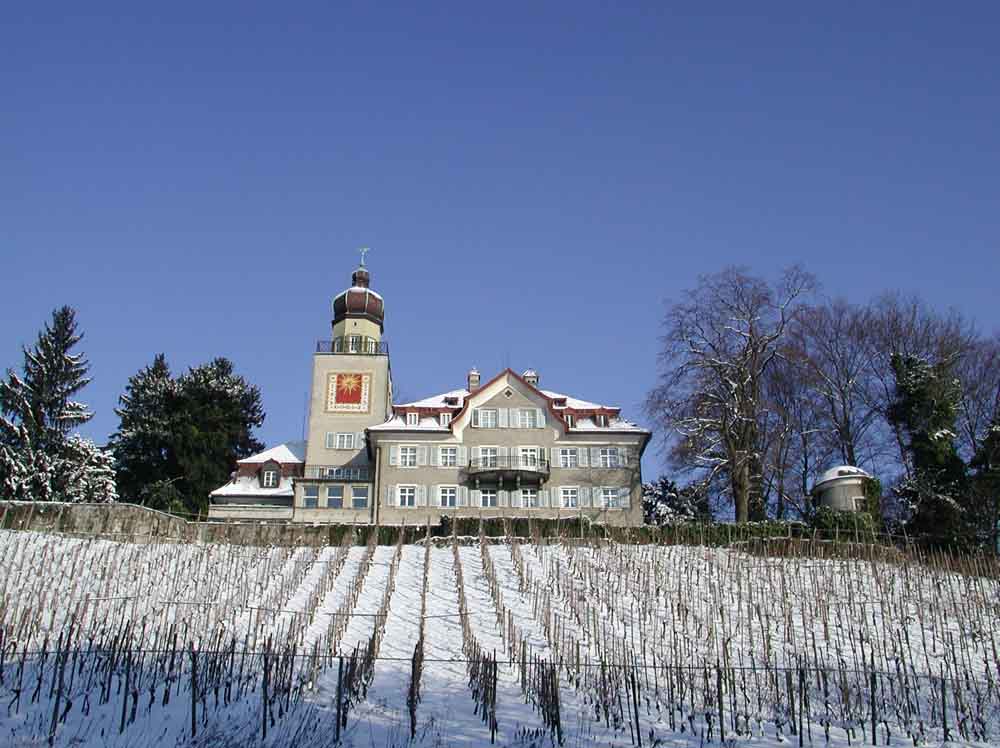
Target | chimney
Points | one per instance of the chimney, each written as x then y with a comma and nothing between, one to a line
531,377
473,380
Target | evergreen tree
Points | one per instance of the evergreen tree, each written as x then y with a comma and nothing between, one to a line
179,438
39,459
935,491
986,483
663,503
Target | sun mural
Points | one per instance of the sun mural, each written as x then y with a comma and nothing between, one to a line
348,392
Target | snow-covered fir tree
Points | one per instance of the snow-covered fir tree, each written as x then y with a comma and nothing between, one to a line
40,459
663,503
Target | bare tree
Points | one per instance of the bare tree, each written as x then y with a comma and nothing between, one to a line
717,346
979,408
830,341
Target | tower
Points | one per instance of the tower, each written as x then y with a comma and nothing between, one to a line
351,390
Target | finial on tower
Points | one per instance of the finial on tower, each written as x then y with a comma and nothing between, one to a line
364,251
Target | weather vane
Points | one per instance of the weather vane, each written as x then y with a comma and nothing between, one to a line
364,251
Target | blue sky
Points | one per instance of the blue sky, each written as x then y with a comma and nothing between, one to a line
535,179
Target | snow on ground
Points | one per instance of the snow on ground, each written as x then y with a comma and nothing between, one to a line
105,643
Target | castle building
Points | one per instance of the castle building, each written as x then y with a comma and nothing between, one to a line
503,447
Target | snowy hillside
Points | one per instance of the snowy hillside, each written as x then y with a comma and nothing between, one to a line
119,644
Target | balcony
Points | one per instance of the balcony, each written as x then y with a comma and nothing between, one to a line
508,468
339,472
353,344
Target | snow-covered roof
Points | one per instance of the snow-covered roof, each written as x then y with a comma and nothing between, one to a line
398,423
438,401
842,471
358,288
614,424
249,485
289,452
572,402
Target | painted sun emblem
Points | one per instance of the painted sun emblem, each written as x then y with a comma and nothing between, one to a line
349,383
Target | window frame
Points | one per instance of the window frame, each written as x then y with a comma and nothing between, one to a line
565,452
533,415
495,461
329,497
412,492
354,497
348,439
524,499
306,498
270,478
613,458
563,492
444,419
495,493
412,419
615,503
532,459
453,453
495,412
570,420
454,496
404,449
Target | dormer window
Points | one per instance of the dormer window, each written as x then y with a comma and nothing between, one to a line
412,419
444,419
451,401
559,402
270,478
601,420
570,420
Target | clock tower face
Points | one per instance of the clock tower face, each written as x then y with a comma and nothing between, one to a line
348,392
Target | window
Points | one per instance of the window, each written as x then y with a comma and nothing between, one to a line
448,495
449,456
359,497
354,343
570,496
859,503
569,420
609,457
345,441
529,457
601,420
528,418
407,495
488,497
270,479
407,456
334,497
568,458
529,498
487,418
310,497
489,457
412,419
609,498
347,473
444,419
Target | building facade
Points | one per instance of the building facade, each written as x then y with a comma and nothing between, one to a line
504,447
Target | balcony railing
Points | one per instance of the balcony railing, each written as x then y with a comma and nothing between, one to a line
354,344
509,464
341,472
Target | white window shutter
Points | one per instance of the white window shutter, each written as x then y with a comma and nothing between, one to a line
421,495
585,496
503,453
463,456
421,456
595,457
543,497
582,456
435,453
503,419
475,418
503,498
515,498
554,460
463,496
390,495
359,440
393,454
475,454
435,495
625,497
475,498
515,418
539,418
331,440
623,456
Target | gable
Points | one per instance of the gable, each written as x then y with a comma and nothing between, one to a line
493,395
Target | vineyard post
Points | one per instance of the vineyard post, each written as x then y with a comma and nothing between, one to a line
718,694
340,701
874,715
194,692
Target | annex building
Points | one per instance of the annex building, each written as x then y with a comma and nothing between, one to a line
501,447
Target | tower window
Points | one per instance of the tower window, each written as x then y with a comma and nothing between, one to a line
345,441
354,343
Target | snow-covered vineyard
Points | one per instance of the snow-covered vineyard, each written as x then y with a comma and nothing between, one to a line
465,641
